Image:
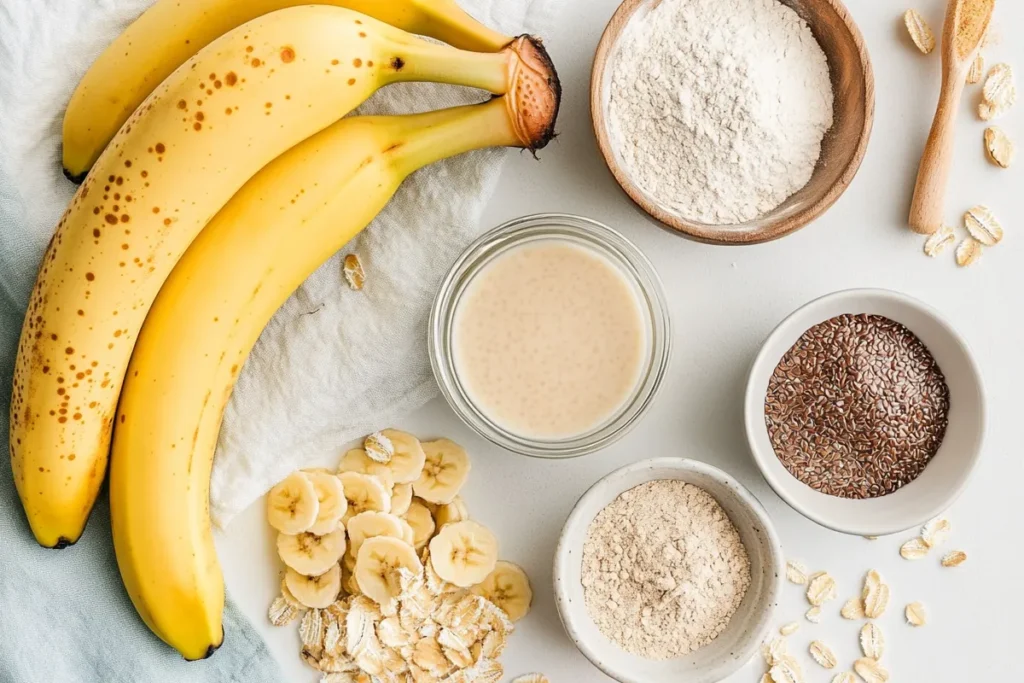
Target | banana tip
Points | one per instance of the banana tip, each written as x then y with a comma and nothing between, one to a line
76,178
537,93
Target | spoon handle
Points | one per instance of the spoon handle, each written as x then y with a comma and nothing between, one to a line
926,210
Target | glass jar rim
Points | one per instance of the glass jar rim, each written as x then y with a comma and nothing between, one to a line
631,263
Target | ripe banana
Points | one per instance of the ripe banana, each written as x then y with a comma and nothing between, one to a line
276,230
171,31
237,104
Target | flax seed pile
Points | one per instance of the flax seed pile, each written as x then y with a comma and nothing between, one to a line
857,407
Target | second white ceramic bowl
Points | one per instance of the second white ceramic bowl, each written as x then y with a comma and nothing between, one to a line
946,475
749,626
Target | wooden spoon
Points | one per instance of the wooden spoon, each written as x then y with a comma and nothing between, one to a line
964,28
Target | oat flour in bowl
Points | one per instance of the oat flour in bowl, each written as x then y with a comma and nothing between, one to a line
717,108
664,569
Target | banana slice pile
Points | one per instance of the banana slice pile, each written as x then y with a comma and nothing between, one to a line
389,577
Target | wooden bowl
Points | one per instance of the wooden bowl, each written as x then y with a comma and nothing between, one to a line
842,149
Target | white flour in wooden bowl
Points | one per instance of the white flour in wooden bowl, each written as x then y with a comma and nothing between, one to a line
664,569
717,108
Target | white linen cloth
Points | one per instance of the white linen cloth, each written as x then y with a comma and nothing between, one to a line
332,364
335,364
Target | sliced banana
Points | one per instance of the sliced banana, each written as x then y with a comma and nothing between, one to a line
371,524
356,460
377,567
444,472
309,553
464,553
292,505
454,511
508,587
407,460
422,523
401,498
364,492
333,505
315,592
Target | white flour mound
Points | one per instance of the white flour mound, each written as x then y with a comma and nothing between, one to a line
717,108
664,569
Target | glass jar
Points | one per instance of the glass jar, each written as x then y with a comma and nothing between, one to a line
631,264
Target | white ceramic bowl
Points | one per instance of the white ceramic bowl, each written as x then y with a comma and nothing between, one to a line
946,475
749,626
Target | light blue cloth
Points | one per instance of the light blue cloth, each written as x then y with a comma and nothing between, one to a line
64,615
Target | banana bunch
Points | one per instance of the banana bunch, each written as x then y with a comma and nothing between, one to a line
207,129
170,32
276,230
380,551
229,179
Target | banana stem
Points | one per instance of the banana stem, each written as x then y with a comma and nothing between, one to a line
449,132
446,21
423,61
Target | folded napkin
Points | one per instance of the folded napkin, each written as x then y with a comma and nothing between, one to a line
335,364
315,380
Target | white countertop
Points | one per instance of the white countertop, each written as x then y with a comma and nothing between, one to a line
724,301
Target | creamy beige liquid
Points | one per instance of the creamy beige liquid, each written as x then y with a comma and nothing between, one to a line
549,340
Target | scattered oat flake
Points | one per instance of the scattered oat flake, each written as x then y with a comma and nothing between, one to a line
786,670
813,615
872,641
914,549
845,677
999,90
870,670
823,655
999,147
977,70
766,678
871,538
853,609
968,252
311,629
936,244
954,559
875,595
936,531
796,572
774,650
790,628
820,589
919,31
916,615
531,678
353,271
379,448
281,612
983,225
